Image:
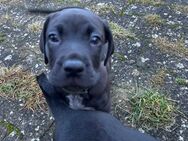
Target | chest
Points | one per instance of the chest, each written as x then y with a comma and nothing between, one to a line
76,102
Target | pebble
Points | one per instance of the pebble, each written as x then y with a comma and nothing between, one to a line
155,36
101,4
21,104
12,134
181,138
143,60
23,132
35,139
180,66
9,57
134,7
141,130
37,65
37,128
137,44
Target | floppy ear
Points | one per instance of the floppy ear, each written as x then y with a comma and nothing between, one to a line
42,42
109,39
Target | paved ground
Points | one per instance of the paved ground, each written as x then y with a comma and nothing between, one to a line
150,38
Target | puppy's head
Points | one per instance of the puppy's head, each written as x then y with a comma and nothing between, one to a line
76,43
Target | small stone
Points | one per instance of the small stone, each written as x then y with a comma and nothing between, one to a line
51,118
181,138
171,22
181,131
35,139
135,72
12,134
129,51
141,130
155,36
137,44
178,12
143,60
9,57
119,100
101,4
37,128
132,61
21,104
180,66
134,7
23,132
184,88
36,66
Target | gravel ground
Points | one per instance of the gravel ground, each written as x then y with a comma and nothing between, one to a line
157,49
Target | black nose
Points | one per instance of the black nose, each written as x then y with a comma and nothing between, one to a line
73,66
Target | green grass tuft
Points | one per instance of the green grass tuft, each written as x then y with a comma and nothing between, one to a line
120,32
68,1
150,109
120,56
15,83
158,79
154,19
181,8
2,37
103,8
10,128
174,48
181,81
35,27
147,2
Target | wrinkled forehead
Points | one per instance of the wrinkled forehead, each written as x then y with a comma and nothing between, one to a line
76,19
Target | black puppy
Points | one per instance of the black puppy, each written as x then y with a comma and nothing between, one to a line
84,125
77,45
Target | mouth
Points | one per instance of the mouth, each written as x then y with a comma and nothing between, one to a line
75,90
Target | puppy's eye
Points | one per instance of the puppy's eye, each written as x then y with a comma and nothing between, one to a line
53,38
95,40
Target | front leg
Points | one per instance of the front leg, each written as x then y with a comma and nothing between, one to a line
53,98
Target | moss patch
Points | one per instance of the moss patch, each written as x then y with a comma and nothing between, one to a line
9,1
103,8
147,2
175,48
35,26
120,56
181,81
121,32
150,109
10,128
70,2
18,84
158,79
5,17
2,37
181,8
154,19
